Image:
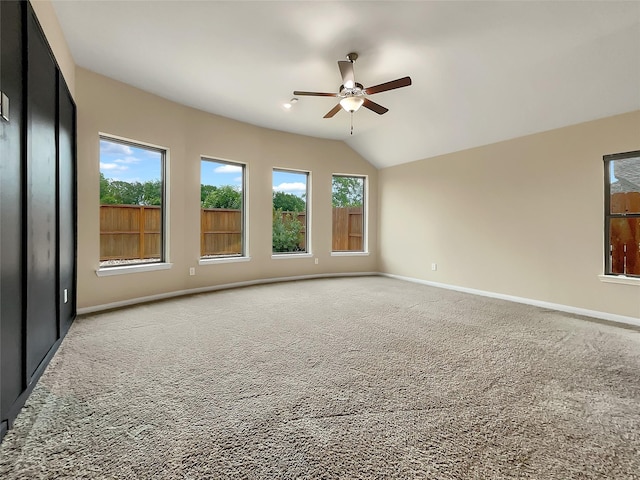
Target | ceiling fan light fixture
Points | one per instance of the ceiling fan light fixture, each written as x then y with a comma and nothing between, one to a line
351,104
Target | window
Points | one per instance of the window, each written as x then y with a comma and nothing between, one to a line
290,212
222,212
622,214
347,200
132,203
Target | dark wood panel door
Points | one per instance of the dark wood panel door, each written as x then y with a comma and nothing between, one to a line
66,205
41,234
11,153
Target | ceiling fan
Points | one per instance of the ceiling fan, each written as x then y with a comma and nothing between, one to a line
352,94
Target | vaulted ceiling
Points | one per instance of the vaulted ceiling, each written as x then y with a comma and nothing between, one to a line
482,71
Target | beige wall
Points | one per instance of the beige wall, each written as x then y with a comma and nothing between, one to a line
522,217
52,30
110,107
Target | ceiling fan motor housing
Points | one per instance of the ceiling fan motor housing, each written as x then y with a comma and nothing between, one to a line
356,91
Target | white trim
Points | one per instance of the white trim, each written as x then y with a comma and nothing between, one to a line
125,269
280,256
120,139
350,254
245,199
166,206
165,153
211,261
365,205
308,205
622,279
246,211
213,288
538,303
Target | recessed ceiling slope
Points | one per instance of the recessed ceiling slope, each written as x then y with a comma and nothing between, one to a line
481,71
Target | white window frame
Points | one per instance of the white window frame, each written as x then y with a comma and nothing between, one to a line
608,276
308,250
244,257
164,263
365,218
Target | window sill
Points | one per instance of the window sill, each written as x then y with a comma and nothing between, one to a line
107,272
212,261
620,279
280,256
350,254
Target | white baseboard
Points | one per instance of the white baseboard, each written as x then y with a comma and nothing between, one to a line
538,303
213,288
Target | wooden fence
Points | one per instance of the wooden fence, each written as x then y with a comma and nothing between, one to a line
347,229
624,234
220,232
129,232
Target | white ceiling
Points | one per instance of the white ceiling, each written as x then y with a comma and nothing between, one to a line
482,71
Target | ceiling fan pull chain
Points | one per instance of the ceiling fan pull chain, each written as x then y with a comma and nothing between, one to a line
352,122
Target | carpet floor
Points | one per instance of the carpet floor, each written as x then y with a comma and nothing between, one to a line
350,378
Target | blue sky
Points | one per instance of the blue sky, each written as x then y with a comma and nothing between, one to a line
289,182
133,164
219,173
612,175
129,164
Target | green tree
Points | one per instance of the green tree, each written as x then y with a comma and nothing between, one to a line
106,194
150,193
347,191
286,232
287,202
124,193
118,192
206,190
226,196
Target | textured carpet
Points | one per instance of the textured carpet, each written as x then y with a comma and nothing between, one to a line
354,378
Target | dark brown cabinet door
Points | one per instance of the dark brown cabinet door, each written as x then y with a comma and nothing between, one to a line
11,154
41,234
37,207
66,205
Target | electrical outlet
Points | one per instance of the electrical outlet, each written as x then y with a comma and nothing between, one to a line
434,266
192,271
316,261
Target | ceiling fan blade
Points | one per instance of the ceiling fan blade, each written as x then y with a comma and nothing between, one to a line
333,111
373,106
316,94
346,70
383,87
